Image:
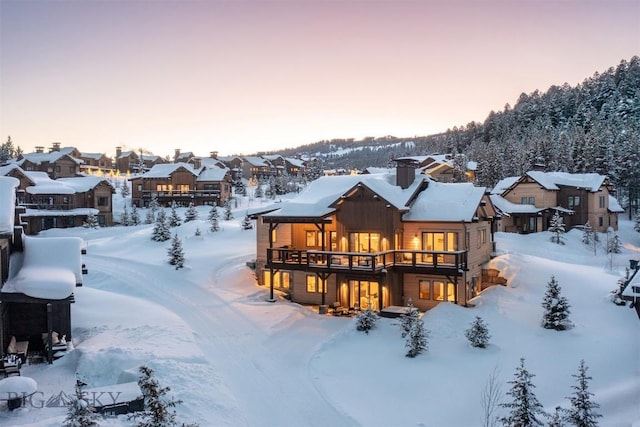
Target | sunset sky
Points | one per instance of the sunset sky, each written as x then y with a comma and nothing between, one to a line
246,76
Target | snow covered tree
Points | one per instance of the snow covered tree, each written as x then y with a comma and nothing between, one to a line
240,189
213,219
135,216
246,223
636,226
124,218
556,418
197,233
409,318
161,232
154,205
81,413
176,253
91,222
524,409
366,320
158,409
613,242
124,190
581,413
587,234
417,339
478,333
227,216
149,218
556,308
174,218
258,193
557,228
191,213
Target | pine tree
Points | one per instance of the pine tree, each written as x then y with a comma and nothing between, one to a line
81,413
246,223
124,218
556,418
525,408
161,231
154,205
191,214
417,339
213,219
556,308
135,216
478,333
557,228
158,409
176,253
587,234
581,413
366,320
227,211
149,218
197,232
174,218
259,193
613,243
91,222
408,319
636,226
124,190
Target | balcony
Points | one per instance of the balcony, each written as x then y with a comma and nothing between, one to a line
411,261
176,194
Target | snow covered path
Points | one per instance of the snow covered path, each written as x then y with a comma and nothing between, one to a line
270,382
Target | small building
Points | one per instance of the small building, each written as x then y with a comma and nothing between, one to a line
92,162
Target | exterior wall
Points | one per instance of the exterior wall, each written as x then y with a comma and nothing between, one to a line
543,198
64,167
127,163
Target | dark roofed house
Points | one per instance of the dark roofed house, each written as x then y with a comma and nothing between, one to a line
57,163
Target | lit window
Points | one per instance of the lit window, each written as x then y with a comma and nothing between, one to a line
425,289
311,284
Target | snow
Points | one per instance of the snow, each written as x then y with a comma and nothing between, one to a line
446,202
13,387
235,359
551,180
46,283
507,207
8,187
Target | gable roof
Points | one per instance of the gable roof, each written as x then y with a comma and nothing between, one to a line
504,184
83,184
212,174
165,170
95,156
54,156
446,202
551,180
256,161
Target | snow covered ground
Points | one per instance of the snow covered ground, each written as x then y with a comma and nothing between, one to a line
237,360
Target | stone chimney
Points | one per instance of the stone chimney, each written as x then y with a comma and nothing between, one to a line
213,154
39,149
118,152
197,162
405,172
176,155
55,146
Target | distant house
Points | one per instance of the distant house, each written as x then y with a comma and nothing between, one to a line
631,291
183,184
529,202
57,163
130,161
377,241
95,161
441,167
257,167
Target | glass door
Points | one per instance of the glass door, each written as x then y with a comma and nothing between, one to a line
364,294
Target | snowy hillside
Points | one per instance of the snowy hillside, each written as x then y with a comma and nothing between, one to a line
237,360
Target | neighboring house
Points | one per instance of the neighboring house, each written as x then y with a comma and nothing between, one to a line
256,167
150,160
377,241
294,167
631,291
57,163
441,167
183,184
529,202
35,298
129,161
179,157
95,161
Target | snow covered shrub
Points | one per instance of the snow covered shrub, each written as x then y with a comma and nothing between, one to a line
124,218
587,234
613,242
174,218
227,212
197,232
91,222
524,408
213,219
81,413
161,232
557,228
135,216
366,320
556,308
176,254
191,214
478,333
417,339
408,319
246,223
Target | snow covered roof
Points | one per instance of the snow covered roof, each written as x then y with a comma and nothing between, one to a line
84,183
8,187
125,154
318,198
4,170
256,161
39,158
164,170
551,180
51,268
45,185
504,184
57,213
614,206
507,207
95,156
446,202
633,287
185,155
212,174
373,170
295,162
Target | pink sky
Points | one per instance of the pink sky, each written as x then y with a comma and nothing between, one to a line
244,76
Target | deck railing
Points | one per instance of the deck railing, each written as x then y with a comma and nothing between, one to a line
454,261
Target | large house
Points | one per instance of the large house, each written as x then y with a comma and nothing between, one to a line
377,240
529,202
60,203
183,184
57,163
95,161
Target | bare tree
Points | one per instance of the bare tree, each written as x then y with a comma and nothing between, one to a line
490,398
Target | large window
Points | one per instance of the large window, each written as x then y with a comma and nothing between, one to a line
440,241
482,237
164,187
314,284
425,289
281,279
601,202
103,201
314,238
527,200
183,188
573,202
364,242
436,290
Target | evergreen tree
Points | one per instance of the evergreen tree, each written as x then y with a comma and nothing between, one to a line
91,222
174,218
366,320
124,190
161,232
246,223
409,318
124,218
613,242
81,413
176,253
150,218
581,413
135,216
557,228
524,409
240,188
636,226
191,214
213,219
6,151
197,232
158,409
556,418
556,308
417,339
258,193
154,205
227,211
478,333
587,234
